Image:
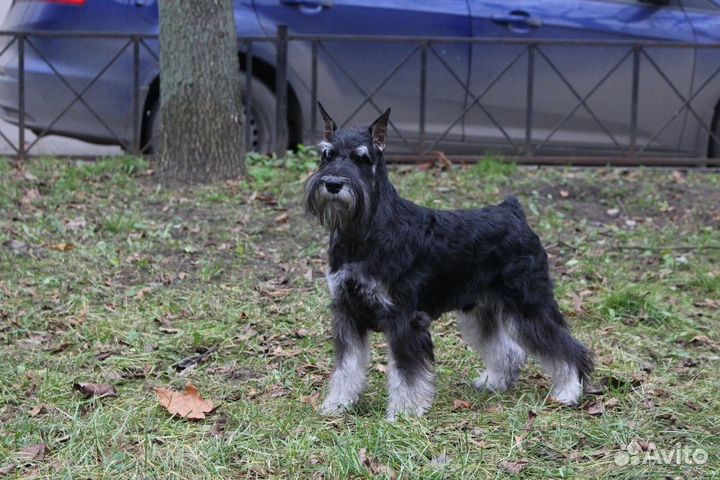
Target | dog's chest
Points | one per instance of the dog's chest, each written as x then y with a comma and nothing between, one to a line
350,284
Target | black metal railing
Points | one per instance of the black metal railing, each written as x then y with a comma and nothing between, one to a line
137,54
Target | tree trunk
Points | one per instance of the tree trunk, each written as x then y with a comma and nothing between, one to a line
201,138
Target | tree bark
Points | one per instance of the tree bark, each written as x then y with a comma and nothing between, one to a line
201,119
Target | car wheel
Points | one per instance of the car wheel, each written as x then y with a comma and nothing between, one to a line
262,120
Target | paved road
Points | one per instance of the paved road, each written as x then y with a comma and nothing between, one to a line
51,144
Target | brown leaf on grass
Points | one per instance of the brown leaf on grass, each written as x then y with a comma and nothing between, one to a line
495,409
218,430
313,400
32,453
282,218
248,332
100,390
705,341
595,408
513,467
188,404
194,360
62,246
59,348
519,439
29,197
374,466
80,317
443,161
105,355
461,405
38,410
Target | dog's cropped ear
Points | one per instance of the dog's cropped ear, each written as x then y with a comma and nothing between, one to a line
330,125
378,129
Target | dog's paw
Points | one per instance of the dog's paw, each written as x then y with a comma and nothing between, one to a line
332,407
415,411
569,395
492,381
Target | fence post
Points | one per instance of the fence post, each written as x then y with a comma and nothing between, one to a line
423,92
634,102
21,96
314,91
281,126
529,100
136,147
247,127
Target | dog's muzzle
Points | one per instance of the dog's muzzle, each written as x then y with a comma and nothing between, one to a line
333,184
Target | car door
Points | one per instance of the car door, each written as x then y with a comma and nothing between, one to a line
564,75
704,15
349,71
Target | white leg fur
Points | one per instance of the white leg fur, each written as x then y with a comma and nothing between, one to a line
411,396
348,380
567,387
503,356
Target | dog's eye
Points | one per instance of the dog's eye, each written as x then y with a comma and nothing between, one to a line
363,159
328,155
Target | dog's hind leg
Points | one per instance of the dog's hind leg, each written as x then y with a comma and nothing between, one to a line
410,375
352,358
544,332
488,334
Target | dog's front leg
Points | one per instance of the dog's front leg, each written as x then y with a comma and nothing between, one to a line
410,376
352,357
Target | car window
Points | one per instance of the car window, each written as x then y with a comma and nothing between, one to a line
701,5
688,4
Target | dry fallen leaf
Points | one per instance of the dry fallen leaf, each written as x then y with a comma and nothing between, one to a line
38,410
95,389
187,404
705,341
375,467
495,409
519,439
513,467
595,408
61,247
29,197
461,405
282,218
33,452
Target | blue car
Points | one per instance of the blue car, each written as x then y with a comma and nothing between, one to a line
581,97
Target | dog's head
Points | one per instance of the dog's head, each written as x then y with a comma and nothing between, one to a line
351,168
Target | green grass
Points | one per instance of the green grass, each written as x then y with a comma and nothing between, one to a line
154,276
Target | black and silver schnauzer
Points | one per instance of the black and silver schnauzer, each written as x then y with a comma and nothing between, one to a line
395,266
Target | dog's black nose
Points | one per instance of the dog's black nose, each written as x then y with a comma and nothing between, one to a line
334,185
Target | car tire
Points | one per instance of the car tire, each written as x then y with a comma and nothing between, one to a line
262,120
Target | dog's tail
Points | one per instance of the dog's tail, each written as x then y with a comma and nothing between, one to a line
511,202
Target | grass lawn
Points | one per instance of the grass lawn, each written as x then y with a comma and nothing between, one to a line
105,277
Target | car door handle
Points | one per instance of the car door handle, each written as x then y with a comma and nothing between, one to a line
517,18
309,6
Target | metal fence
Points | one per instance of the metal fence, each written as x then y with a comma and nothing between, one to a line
136,51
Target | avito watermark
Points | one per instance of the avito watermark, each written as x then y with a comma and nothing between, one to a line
634,454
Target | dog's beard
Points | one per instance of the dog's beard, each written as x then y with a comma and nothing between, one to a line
333,211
